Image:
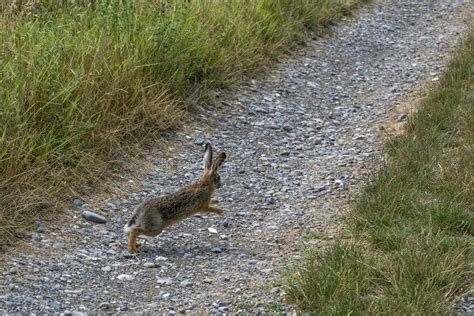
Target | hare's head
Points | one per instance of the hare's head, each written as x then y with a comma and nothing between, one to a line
211,168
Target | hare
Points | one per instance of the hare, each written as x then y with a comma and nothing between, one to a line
155,214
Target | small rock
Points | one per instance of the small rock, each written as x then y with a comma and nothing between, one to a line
216,250
123,308
125,277
128,255
188,255
186,283
223,309
93,217
78,292
402,117
58,245
54,268
164,281
77,202
261,110
199,141
37,237
319,189
149,265
106,269
212,230
287,128
13,270
40,227
44,205
104,305
225,223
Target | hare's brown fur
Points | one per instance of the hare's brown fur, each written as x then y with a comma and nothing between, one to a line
155,214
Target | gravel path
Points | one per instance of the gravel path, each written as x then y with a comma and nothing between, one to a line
299,143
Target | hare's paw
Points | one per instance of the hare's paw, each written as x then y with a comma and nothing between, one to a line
215,210
132,249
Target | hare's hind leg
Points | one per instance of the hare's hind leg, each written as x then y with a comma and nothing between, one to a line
132,241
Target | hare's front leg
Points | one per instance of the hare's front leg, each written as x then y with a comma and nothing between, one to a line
216,210
132,241
214,201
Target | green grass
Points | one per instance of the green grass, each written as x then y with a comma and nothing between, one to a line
84,82
413,226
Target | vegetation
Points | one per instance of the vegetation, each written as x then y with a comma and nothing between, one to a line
413,227
83,82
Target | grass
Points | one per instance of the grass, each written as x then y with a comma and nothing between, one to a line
83,83
413,226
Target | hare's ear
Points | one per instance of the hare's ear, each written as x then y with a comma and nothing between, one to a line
207,157
218,162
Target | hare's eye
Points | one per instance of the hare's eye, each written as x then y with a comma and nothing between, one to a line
218,178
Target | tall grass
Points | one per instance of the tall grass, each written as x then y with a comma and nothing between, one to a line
416,219
82,82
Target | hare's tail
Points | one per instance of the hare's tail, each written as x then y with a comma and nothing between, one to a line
128,227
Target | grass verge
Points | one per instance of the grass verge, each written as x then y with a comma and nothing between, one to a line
413,227
83,82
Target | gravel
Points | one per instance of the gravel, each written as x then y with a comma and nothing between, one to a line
300,142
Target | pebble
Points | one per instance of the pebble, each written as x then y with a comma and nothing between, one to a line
225,223
186,283
37,237
40,227
73,313
93,217
212,230
125,277
164,281
150,265
223,309
104,305
58,245
288,128
402,117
